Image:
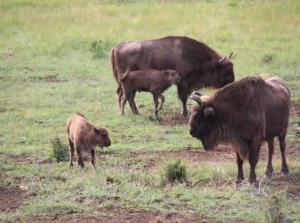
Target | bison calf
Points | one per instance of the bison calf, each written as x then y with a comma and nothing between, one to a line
154,81
83,135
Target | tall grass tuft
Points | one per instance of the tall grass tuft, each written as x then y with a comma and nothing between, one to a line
174,172
59,150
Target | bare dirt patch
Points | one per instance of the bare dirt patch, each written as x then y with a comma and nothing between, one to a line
10,199
171,120
290,182
151,159
124,215
48,78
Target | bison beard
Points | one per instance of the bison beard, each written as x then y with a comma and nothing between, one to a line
197,64
245,114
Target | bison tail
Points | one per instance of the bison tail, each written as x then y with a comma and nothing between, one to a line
113,64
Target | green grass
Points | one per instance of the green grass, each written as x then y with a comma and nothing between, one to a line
54,61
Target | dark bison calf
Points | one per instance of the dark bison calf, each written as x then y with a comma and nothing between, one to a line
244,113
83,135
154,81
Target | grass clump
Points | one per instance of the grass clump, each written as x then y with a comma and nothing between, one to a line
100,49
174,172
60,150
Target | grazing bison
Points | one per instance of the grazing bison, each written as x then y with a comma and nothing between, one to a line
197,64
244,113
83,135
154,81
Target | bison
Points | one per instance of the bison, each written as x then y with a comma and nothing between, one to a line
197,64
154,81
245,114
82,135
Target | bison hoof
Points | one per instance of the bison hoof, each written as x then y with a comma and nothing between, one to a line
239,181
284,171
269,173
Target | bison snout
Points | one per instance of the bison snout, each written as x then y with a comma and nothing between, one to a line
192,132
108,144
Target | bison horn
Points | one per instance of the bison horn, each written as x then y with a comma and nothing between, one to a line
196,97
225,57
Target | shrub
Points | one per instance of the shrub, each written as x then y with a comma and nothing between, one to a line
60,150
174,172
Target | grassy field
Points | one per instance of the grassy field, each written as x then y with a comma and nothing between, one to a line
54,61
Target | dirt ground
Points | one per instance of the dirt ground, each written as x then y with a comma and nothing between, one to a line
12,197
124,215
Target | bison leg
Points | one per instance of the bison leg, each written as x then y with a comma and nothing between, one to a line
240,176
284,166
155,99
120,94
79,156
71,153
269,170
131,102
253,158
93,159
183,95
162,100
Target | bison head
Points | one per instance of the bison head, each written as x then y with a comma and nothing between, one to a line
101,137
222,72
202,122
173,76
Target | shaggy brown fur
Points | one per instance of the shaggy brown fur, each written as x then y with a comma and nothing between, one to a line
82,135
244,113
154,81
197,64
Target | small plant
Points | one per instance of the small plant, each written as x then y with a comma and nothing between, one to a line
59,150
174,172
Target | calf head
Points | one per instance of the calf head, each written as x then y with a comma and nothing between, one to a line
173,76
101,137
202,122
222,72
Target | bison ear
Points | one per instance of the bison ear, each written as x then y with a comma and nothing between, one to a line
97,130
209,112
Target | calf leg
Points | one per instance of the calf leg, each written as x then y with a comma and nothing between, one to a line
269,170
132,105
71,153
240,176
162,100
155,99
79,156
284,166
93,159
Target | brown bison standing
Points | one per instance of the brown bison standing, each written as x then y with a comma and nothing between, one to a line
244,113
197,64
82,135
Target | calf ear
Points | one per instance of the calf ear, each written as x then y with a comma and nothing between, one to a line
209,112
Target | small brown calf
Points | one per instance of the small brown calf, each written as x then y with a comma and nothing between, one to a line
154,81
83,135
